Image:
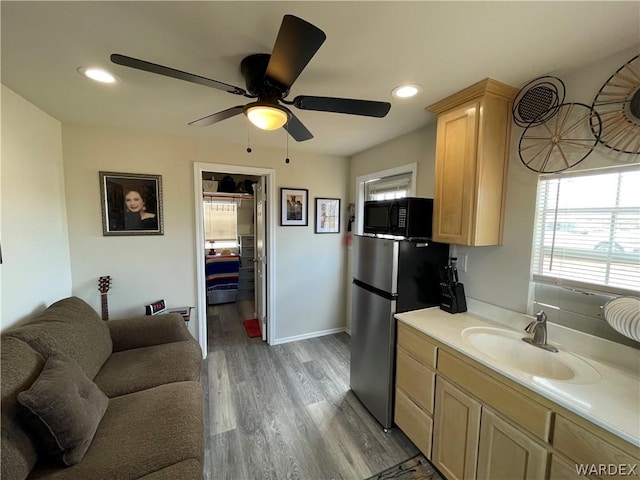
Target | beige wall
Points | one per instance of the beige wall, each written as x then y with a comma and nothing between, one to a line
498,275
415,147
501,275
36,269
310,269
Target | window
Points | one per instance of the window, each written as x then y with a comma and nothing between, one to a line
394,182
587,230
221,222
387,188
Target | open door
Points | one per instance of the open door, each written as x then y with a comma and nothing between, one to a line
260,258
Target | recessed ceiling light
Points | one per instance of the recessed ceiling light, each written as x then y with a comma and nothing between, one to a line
406,91
97,74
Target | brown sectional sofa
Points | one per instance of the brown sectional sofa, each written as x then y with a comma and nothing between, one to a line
148,367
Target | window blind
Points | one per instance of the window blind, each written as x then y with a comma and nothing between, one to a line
220,220
587,230
396,186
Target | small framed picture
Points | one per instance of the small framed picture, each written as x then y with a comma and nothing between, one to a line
131,204
327,215
294,207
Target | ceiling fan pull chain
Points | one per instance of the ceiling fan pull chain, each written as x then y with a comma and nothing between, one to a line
286,160
248,137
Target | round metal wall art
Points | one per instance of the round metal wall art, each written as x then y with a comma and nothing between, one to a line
565,138
618,105
538,101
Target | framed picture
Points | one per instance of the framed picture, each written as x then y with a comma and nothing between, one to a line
294,207
131,204
327,215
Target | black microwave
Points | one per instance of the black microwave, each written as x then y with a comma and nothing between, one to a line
408,217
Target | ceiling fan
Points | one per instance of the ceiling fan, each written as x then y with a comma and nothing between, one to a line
268,79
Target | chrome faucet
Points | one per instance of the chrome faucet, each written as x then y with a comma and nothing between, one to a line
539,330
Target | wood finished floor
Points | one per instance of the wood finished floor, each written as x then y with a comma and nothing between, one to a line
286,412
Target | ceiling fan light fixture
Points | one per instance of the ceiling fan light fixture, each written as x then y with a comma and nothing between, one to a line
406,91
97,74
266,117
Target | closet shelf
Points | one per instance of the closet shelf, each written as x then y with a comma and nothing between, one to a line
242,196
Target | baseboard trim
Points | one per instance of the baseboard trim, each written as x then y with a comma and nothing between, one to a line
307,336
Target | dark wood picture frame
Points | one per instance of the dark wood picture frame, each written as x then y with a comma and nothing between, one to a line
131,204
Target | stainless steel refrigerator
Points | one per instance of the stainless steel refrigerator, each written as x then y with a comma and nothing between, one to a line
390,277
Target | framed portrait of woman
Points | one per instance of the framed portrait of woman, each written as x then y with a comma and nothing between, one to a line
131,204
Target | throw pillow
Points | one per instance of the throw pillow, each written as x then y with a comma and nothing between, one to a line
63,409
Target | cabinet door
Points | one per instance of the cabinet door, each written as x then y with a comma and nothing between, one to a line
506,453
455,175
561,469
455,432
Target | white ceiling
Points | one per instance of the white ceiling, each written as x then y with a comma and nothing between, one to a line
371,47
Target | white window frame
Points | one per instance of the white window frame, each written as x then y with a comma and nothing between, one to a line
361,180
574,284
232,240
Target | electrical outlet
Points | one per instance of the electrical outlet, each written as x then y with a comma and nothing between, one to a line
462,263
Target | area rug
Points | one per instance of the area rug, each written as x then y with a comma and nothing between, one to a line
416,468
252,327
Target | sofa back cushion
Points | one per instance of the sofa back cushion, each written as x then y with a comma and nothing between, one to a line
20,367
72,327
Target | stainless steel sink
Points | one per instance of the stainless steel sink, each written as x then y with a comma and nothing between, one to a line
506,346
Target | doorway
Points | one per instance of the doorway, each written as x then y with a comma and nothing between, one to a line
263,242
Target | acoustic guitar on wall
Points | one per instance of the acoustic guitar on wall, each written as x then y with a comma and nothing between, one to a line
104,283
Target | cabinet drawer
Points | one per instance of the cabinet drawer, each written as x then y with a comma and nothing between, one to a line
417,344
584,447
246,240
246,274
523,411
414,422
416,379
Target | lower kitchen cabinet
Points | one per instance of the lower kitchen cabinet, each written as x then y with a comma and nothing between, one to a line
456,432
505,453
561,469
414,422
415,384
477,424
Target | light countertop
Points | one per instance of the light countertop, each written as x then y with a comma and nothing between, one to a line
610,399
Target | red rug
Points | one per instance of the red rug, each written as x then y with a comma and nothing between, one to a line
252,327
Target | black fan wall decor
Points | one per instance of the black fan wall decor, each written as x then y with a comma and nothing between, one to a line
268,79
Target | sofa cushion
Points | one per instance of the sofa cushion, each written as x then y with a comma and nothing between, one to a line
142,433
72,327
20,366
63,409
145,331
141,368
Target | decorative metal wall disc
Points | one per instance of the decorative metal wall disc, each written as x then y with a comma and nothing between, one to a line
537,101
562,142
618,104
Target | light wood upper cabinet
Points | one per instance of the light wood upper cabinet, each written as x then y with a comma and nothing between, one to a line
472,156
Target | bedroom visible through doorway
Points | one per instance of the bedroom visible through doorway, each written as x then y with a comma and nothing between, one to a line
233,243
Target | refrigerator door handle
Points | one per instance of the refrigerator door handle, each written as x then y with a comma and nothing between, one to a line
374,290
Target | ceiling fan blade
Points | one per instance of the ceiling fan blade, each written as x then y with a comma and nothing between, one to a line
350,106
297,42
296,129
218,117
173,73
